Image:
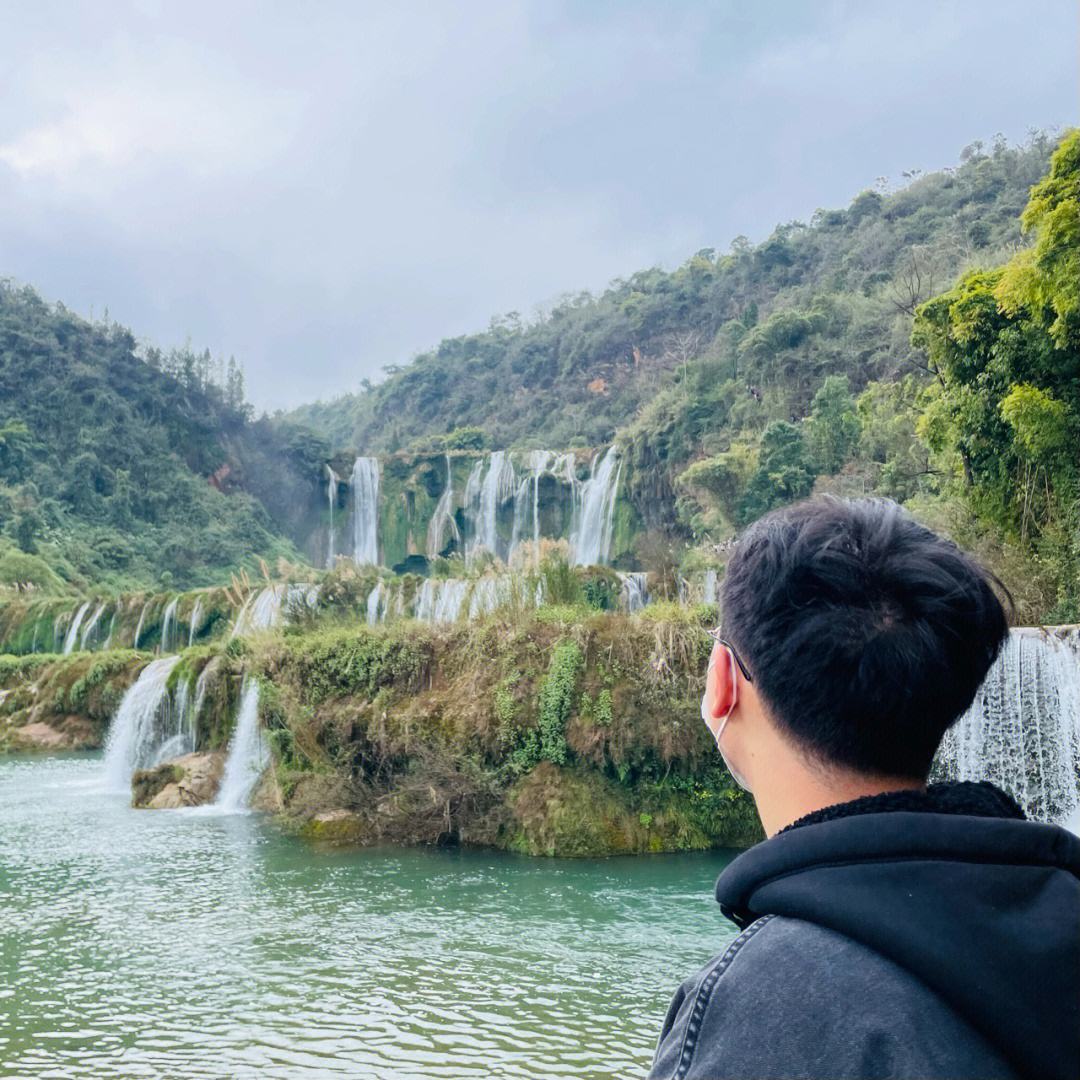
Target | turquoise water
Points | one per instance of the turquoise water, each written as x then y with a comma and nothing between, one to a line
178,944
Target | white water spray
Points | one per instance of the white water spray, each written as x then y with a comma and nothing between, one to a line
73,629
141,724
709,594
1022,731
195,621
365,502
139,625
442,521
248,754
634,594
168,623
591,542
91,626
332,481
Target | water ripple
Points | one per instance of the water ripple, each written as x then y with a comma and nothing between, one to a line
149,944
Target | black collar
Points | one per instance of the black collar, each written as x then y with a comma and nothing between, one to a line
980,799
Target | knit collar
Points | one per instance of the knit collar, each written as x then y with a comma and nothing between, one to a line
978,799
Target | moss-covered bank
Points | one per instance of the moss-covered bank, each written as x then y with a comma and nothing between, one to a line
563,733
50,702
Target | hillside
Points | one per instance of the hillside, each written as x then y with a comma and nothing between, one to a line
840,356
835,295
123,469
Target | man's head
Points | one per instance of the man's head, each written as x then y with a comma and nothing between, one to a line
864,634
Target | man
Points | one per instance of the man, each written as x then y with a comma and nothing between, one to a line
888,928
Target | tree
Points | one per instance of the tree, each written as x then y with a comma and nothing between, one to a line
1046,277
783,475
833,427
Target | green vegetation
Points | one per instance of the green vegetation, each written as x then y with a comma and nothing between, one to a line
123,467
922,345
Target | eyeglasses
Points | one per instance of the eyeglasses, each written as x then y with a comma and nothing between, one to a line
715,635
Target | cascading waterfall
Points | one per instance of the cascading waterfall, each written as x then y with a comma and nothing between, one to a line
709,594
483,502
442,521
91,626
332,481
73,629
265,609
538,463
142,723
634,594
1022,731
365,503
376,606
168,623
194,623
590,543
248,754
139,625
112,628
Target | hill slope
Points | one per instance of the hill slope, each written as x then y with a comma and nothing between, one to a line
123,470
834,295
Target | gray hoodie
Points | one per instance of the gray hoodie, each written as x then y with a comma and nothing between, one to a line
919,936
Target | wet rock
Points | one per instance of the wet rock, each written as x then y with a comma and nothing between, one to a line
190,780
337,827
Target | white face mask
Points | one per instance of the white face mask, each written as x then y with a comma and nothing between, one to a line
736,775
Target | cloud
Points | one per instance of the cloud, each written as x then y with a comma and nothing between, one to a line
325,189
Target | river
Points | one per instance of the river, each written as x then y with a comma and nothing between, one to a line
183,944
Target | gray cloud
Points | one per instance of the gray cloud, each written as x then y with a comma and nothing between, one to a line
324,189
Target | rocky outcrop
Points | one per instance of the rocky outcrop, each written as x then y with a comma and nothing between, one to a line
60,733
190,780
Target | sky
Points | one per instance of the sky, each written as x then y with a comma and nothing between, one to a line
323,189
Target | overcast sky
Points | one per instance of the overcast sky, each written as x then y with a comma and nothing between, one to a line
325,188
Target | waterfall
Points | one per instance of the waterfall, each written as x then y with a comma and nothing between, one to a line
109,635
709,594
538,463
261,610
168,622
141,724
193,625
590,544
332,481
485,500
73,629
376,607
139,625
425,600
365,500
443,518
521,510
1023,729
91,626
451,597
634,594
248,754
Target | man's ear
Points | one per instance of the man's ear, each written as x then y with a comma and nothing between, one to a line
721,688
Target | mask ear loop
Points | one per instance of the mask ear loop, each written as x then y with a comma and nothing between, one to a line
734,697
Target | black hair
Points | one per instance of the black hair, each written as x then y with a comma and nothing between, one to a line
866,634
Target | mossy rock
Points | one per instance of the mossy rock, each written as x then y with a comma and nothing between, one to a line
337,828
572,812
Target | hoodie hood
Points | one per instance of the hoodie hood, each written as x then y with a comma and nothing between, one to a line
984,910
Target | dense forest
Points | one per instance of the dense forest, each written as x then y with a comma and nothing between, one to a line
832,296
124,467
834,356
920,343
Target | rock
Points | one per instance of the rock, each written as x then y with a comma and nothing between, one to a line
336,827
41,735
64,733
190,780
